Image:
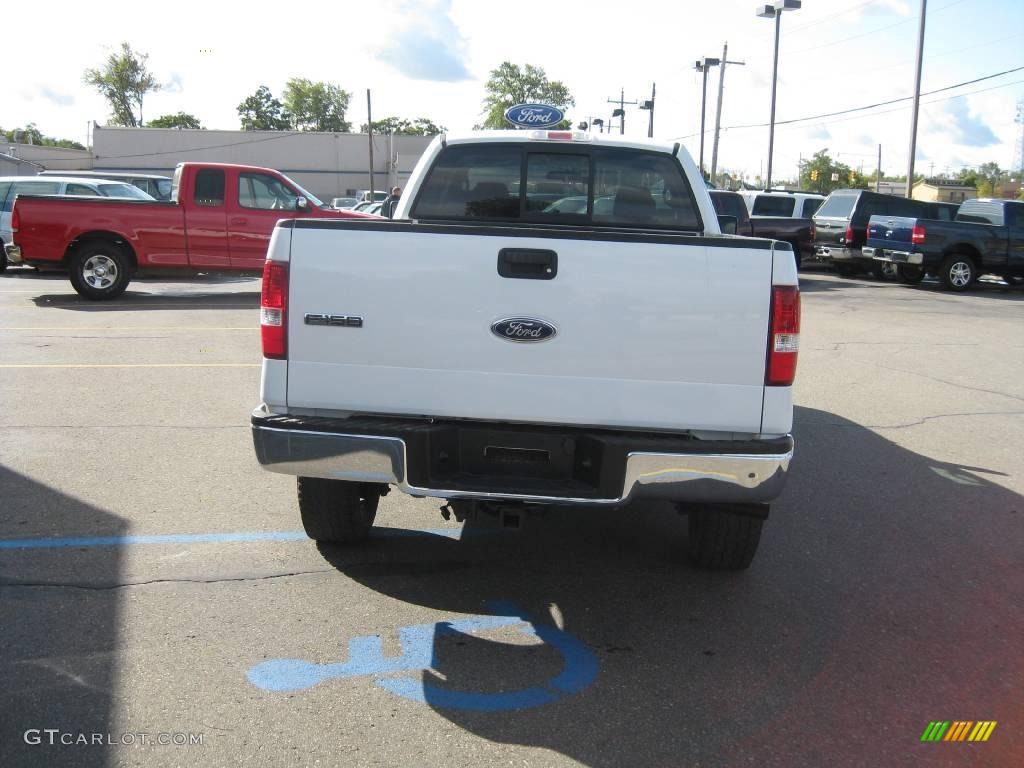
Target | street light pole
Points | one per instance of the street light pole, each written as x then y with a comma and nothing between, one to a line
768,12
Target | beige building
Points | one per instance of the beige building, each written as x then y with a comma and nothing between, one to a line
49,158
943,191
326,164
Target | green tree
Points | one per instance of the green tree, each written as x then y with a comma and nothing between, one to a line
823,174
399,126
262,112
123,81
509,85
30,131
178,120
988,178
317,106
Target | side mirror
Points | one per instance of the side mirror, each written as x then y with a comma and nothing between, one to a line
301,203
727,224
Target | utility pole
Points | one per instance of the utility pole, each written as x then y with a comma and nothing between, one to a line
878,176
702,65
917,102
718,111
621,111
369,133
650,106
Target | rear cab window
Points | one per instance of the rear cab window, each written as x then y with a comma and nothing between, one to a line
209,187
837,206
544,183
770,205
810,207
30,188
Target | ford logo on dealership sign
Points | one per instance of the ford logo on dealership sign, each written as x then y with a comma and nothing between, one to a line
523,329
534,115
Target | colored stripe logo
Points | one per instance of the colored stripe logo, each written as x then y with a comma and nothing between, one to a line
958,730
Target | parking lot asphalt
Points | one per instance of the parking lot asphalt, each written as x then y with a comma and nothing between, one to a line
154,580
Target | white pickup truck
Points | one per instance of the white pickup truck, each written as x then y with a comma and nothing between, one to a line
551,318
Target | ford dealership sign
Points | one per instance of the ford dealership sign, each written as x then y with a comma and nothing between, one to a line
534,115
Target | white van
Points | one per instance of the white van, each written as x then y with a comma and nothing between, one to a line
12,186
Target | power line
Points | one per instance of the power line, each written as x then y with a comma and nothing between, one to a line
868,106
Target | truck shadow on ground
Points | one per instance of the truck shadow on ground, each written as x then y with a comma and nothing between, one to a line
135,301
59,660
875,567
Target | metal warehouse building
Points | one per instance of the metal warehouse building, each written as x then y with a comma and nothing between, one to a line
327,164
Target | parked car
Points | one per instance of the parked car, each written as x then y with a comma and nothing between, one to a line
12,186
840,226
796,232
343,203
364,196
361,207
987,236
373,208
220,219
157,187
796,205
573,359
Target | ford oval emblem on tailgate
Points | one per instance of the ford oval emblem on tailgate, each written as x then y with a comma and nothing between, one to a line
523,329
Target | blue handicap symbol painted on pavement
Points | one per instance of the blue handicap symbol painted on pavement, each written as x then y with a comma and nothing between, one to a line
366,658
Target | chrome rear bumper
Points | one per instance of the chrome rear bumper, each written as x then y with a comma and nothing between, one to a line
755,473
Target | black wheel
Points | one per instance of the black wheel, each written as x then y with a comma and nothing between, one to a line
100,271
723,540
336,512
846,270
911,274
958,272
883,270
3,257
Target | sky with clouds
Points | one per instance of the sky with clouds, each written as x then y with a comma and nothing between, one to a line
431,58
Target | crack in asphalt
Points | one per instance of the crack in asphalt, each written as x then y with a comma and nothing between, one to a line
919,421
106,587
953,383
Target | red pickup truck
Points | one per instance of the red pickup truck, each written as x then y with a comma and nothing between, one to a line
219,218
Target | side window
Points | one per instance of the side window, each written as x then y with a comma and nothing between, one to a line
768,205
473,181
260,190
641,189
30,188
557,184
80,189
811,205
209,187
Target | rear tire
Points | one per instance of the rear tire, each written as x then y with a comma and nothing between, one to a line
883,270
335,511
911,274
100,271
723,540
3,257
958,272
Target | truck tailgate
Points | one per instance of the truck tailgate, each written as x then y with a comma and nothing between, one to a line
662,332
890,232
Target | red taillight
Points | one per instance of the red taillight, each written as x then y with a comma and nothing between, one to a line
849,235
274,310
783,336
15,219
917,234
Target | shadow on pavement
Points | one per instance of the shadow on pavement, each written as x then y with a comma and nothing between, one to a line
888,593
134,301
60,644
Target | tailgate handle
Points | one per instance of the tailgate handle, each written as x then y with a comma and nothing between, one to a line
527,263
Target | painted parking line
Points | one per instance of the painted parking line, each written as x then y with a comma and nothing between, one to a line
130,365
204,538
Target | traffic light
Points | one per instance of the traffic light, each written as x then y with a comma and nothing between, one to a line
814,174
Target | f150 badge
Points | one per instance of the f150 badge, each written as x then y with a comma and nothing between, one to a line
343,321
523,329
